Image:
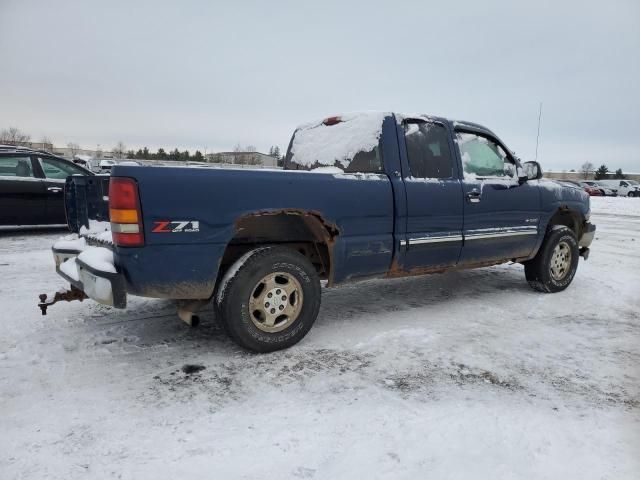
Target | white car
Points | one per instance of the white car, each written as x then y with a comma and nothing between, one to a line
105,165
624,188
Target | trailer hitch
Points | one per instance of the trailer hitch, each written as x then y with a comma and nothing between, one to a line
61,295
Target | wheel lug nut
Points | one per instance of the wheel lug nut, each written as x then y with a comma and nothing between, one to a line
266,304
270,295
273,310
278,292
281,307
284,297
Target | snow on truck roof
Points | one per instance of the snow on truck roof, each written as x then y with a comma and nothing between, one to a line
336,140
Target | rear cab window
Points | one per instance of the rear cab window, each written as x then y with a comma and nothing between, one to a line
16,166
347,143
428,150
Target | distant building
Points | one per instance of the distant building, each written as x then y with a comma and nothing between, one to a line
242,158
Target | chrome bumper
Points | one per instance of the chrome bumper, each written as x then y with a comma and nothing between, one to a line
104,287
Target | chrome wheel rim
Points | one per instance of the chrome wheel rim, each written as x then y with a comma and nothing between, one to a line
275,302
560,261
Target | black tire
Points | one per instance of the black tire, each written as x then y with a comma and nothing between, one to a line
538,271
232,301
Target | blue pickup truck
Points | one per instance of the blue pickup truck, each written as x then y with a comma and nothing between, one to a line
360,196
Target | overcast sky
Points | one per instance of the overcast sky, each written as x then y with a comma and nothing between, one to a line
206,74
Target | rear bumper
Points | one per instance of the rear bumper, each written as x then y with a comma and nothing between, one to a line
587,235
107,288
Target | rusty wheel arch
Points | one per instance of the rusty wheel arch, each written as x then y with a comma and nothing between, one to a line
306,231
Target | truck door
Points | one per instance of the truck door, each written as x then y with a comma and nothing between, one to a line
434,197
501,214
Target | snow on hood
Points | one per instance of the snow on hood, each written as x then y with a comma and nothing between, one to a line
315,144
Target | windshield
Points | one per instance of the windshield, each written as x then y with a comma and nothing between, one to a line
348,142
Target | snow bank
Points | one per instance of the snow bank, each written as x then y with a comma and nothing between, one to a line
319,144
326,170
615,206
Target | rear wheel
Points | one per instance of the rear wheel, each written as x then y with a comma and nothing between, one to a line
270,299
553,268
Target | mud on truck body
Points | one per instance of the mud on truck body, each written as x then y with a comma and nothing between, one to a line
361,196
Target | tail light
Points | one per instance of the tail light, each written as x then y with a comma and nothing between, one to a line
332,121
125,213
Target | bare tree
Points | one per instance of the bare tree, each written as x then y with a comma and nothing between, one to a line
119,150
238,148
586,169
47,144
250,148
74,148
14,136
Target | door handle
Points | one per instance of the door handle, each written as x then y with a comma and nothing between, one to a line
54,189
474,196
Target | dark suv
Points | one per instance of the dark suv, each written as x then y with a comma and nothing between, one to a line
32,186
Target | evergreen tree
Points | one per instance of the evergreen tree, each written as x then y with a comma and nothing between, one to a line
276,152
198,156
174,155
601,172
145,153
184,156
271,151
139,154
619,174
161,155
131,154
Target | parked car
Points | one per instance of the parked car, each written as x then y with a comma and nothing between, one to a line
31,186
625,188
391,196
106,165
592,190
606,190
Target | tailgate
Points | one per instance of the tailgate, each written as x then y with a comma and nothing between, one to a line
86,198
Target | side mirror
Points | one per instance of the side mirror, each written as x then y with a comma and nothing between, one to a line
532,170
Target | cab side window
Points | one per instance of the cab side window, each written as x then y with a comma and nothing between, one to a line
428,150
482,157
15,167
57,169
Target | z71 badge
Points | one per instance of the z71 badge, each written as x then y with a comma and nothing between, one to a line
176,226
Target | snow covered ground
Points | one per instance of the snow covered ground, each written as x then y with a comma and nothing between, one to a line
458,376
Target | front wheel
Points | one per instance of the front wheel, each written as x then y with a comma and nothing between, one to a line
269,299
553,268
